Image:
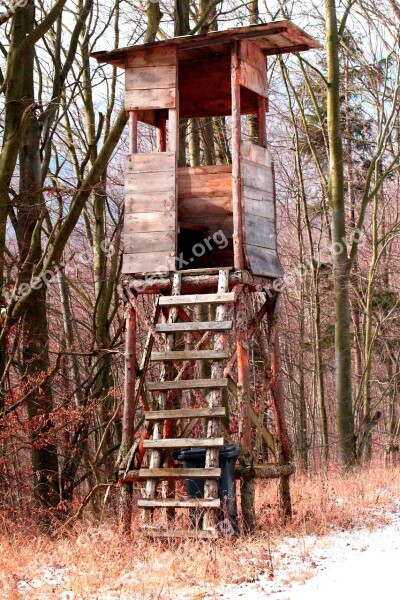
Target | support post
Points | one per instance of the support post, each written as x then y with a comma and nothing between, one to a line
262,127
128,418
243,368
169,426
236,166
133,131
161,131
285,453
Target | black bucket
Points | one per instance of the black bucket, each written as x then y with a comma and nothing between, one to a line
195,458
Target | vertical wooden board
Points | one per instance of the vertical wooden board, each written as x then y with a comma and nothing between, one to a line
147,222
257,154
263,261
150,99
154,241
265,207
260,231
153,262
259,195
253,79
257,176
153,162
146,78
252,54
152,57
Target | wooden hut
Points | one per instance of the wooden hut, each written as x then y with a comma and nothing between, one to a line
193,236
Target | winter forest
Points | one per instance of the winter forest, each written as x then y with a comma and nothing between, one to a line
333,129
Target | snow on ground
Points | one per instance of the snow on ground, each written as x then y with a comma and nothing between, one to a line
341,566
345,566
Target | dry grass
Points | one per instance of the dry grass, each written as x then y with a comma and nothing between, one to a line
93,562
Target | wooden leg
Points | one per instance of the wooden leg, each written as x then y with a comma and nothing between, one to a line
128,419
284,452
243,366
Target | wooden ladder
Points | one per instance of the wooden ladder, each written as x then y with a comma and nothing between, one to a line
164,417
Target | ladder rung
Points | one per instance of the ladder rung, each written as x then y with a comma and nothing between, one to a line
186,384
176,503
206,271
221,298
185,413
210,473
191,355
194,326
184,443
207,534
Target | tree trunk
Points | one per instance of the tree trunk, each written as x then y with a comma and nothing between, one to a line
36,359
154,16
343,366
366,449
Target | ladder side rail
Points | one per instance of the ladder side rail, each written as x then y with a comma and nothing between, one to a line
214,399
156,455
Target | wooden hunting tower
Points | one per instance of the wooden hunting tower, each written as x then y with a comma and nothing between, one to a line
200,236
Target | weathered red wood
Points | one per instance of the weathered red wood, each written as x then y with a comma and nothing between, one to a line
161,131
272,37
128,419
211,96
150,99
190,283
252,54
243,366
146,78
236,162
253,79
150,57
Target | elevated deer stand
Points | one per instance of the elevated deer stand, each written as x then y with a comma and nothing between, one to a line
200,249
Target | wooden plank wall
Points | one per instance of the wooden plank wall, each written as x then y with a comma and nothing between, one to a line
150,226
205,197
253,67
259,218
205,89
150,213
151,79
